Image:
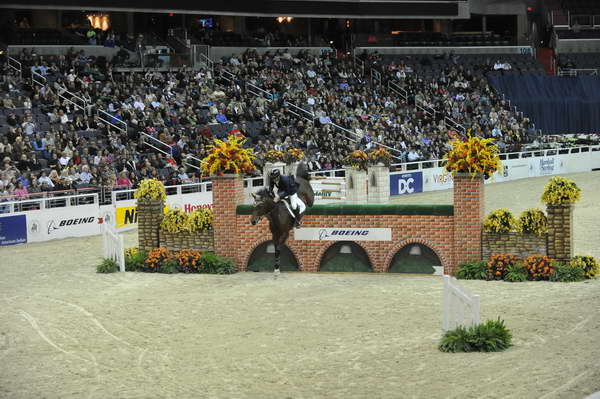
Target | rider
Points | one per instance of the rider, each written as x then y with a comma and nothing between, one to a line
287,187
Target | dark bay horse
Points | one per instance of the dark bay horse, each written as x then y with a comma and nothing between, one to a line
280,220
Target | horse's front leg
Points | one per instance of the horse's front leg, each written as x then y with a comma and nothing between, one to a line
278,244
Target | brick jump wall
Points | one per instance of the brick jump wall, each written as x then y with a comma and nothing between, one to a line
436,232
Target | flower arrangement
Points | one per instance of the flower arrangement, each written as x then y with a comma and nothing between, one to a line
188,260
380,155
560,190
228,156
274,156
498,265
293,155
474,155
150,189
174,221
539,267
200,220
156,258
357,160
590,266
499,221
134,259
532,221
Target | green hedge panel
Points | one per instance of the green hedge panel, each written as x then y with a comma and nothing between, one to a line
372,209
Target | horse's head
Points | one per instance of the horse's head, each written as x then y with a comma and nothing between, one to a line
263,205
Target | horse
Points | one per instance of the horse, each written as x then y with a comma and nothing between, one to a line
280,219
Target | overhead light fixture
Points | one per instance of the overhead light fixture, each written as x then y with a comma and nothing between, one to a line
284,19
415,250
345,249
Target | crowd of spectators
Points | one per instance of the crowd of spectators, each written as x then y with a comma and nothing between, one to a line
49,144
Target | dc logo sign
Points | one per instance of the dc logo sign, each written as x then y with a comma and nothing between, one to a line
406,183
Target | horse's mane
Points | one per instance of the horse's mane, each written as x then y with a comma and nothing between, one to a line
302,171
263,192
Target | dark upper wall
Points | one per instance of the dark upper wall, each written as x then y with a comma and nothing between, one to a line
294,8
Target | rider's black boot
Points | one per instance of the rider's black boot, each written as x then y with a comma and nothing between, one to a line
297,218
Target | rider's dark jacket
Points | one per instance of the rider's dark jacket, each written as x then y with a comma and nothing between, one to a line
287,186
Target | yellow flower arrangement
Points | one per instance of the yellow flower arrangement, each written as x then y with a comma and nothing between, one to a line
200,220
499,221
150,189
475,155
274,156
293,155
357,160
560,190
175,221
228,156
590,266
380,155
532,221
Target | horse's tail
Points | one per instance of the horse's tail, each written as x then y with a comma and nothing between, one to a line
302,171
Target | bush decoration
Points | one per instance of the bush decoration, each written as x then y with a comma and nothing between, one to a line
491,336
515,273
498,265
533,221
293,155
539,267
357,160
380,155
499,221
274,156
134,259
188,260
107,266
150,189
228,157
567,273
472,270
200,220
474,155
155,259
560,190
590,266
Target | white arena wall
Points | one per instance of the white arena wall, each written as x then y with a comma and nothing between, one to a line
82,215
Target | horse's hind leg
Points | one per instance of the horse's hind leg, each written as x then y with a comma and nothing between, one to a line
277,259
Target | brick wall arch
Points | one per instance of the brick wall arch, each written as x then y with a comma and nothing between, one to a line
332,243
444,259
255,244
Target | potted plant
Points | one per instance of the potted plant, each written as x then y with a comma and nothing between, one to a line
274,156
228,157
380,157
474,156
357,160
561,191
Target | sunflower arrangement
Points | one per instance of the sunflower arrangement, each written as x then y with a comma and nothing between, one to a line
228,156
532,221
380,155
357,160
539,267
200,220
475,155
560,190
293,155
498,265
274,156
156,258
590,266
499,221
150,189
174,221
188,260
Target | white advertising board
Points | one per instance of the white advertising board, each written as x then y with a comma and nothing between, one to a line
52,224
343,234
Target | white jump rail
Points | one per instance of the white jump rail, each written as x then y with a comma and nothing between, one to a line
460,307
113,246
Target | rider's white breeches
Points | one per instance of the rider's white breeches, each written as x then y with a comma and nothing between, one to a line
296,202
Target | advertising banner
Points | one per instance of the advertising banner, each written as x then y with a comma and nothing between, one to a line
437,179
406,183
343,234
13,230
51,224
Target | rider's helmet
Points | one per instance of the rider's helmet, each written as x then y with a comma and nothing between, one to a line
275,174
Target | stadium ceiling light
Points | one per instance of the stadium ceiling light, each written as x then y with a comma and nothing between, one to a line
284,19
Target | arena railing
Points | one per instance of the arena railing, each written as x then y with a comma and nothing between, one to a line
578,71
396,88
109,119
257,91
38,204
37,78
15,65
75,100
